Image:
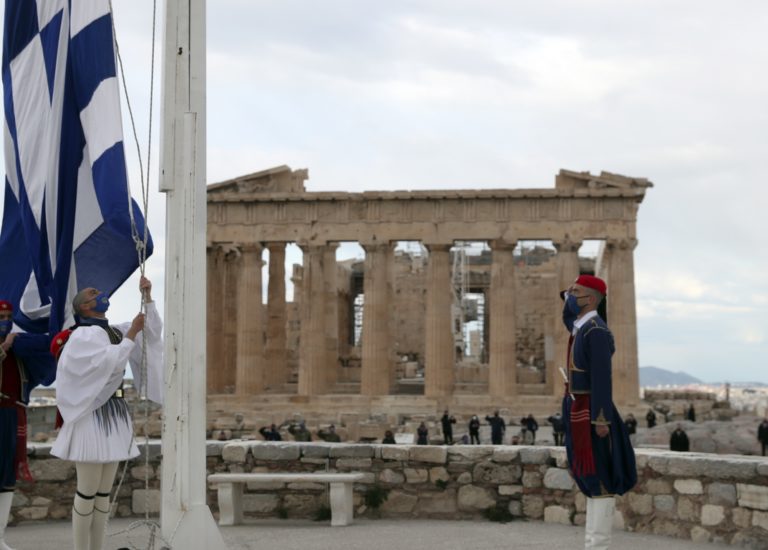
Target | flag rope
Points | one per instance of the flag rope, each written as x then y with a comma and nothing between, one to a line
140,241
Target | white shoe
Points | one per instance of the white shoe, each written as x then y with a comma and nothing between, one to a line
4,546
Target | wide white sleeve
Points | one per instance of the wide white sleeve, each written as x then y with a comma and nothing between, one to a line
89,371
153,326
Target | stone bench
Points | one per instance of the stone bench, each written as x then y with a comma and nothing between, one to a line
230,492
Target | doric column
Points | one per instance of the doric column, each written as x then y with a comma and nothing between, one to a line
215,319
567,259
377,376
250,359
439,360
276,354
227,365
502,377
330,285
622,319
312,359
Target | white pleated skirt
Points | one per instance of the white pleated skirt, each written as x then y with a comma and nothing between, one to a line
97,437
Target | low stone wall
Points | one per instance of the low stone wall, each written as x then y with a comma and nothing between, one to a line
687,495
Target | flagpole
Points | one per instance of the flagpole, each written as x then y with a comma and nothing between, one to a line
186,520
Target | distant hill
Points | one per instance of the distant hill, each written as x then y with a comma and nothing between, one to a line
654,376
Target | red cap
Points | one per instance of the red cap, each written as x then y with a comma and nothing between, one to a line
590,281
5,305
58,342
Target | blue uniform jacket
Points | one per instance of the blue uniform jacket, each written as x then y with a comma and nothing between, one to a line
33,352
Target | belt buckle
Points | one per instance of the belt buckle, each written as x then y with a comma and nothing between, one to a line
118,393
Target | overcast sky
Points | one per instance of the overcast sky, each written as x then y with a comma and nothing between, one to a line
479,94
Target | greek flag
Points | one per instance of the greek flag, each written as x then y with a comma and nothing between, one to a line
67,210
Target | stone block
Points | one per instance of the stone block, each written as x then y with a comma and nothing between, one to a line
392,452
317,461
274,451
689,487
507,490
140,472
712,514
143,499
722,493
57,511
354,463
664,503
443,503
560,456
658,487
752,496
533,506
700,535
496,474
399,502
473,498
416,475
532,480
464,478
640,504
742,517
618,520
260,504
351,451
391,477
301,505
686,509
557,514
428,453
557,478
438,473
762,469
580,501
235,451
41,501
369,478
760,519
469,453
214,448
52,470
534,455
315,450
19,500
505,454
515,508
580,519
33,513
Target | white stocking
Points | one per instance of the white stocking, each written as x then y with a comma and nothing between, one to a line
6,499
101,505
89,481
599,523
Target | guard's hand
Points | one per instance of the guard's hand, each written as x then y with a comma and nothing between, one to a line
137,325
8,343
602,431
145,287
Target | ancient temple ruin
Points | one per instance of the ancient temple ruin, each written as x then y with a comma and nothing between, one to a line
456,302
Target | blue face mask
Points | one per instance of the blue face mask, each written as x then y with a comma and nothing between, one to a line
102,303
5,327
572,305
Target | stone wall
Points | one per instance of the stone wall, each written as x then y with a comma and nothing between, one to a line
686,495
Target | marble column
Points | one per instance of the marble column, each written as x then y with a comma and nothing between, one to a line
439,360
227,365
502,376
567,259
377,373
215,318
276,353
622,319
250,337
330,284
312,359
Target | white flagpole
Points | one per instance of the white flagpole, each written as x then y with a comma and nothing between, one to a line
186,520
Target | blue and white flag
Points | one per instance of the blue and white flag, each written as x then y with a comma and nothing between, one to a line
66,219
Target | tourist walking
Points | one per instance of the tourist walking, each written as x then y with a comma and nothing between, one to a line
422,435
631,423
600,455
558,430
474,430
691,413
532,426
498,427
650,417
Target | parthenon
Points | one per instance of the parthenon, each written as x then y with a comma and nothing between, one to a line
363,331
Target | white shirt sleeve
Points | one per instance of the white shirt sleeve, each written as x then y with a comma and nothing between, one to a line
89,371
153,327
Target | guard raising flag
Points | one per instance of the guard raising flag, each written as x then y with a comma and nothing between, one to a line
68,217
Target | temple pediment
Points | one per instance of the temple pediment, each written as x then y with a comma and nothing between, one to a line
280,179
568,179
